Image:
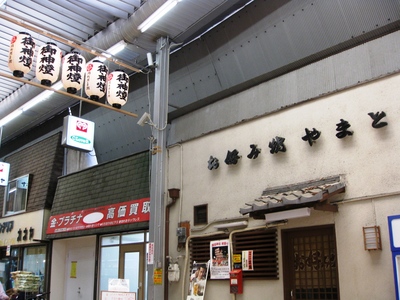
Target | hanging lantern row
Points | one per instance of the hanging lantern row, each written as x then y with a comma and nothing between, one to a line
73,70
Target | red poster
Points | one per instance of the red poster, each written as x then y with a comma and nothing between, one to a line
111,215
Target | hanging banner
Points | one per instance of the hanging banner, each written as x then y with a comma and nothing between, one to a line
198,281
133,211
4,173
220,260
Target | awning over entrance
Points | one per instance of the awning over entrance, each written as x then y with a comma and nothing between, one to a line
317,194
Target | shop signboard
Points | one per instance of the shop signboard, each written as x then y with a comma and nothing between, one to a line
122,213
4,173
78,133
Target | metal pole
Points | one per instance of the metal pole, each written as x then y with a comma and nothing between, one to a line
156,271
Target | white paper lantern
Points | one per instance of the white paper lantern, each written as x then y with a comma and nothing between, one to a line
96,79
20,56
117,88
48,64
73,72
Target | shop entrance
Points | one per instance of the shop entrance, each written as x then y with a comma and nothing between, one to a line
310,263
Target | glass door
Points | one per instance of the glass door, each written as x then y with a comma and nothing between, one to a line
131,267
123,256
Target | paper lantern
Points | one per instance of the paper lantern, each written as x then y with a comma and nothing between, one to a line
96,79
48,64
73,72
20,56
117,88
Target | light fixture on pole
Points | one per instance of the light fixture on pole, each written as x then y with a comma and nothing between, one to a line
157,15
288,214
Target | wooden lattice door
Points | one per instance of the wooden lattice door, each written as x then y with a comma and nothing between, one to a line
310,263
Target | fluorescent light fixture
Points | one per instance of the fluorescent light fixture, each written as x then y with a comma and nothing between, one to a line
288,214
157,15
118,47
10,117
31,103
231,225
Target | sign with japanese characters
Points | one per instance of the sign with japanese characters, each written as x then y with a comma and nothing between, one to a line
105,295
111,215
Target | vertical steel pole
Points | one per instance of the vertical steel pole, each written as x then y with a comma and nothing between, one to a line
157,189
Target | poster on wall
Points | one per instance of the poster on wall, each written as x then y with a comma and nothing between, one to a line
220,260
198,281
247,260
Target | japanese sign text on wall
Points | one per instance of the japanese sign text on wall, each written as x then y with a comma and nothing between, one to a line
115,214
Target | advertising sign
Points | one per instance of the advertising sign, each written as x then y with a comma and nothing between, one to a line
78,133
4,173
110,215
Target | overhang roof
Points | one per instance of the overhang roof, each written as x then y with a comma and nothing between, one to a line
315,193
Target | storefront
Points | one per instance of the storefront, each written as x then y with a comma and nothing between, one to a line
27,192
23,258
99,231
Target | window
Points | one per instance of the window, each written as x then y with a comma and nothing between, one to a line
200,214
16,195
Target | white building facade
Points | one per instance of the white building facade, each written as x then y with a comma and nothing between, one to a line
354,135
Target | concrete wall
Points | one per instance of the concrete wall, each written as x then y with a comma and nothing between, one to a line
367,161
60,266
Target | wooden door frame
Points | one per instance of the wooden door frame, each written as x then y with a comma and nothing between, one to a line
140,247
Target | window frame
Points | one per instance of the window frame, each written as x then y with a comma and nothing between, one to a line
200,214
13,190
